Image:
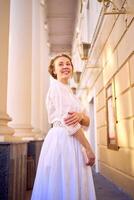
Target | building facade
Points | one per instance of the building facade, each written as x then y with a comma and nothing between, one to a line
107,81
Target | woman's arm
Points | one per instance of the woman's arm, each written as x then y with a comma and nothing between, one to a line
85,121
77,117
74,119
79,135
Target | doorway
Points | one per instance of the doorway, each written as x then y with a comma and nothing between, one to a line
92,131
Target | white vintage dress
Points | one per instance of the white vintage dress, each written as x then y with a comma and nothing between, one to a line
62,173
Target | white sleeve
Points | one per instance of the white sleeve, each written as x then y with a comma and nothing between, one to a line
59,103
85,110
50,107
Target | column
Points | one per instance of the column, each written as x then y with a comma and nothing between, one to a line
35,109
5,130
20,66
40,53
44,62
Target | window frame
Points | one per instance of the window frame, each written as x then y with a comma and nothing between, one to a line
111,96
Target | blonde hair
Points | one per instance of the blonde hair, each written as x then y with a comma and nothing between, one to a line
51,65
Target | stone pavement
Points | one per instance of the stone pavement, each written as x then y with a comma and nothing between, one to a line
106,190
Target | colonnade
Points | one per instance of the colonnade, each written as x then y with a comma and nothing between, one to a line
24,56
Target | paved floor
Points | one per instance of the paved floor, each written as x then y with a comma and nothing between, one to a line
105,190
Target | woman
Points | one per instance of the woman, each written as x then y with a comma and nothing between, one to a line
64,169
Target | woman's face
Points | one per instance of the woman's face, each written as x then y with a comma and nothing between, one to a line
63,68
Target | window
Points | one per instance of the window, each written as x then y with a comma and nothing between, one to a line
111,117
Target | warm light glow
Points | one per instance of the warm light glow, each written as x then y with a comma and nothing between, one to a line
123,128
109,57
45,26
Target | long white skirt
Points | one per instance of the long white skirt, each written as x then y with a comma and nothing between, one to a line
62,173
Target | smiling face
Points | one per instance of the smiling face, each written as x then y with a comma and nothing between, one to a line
63,69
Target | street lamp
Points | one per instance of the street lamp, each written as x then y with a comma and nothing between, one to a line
77,75
83,50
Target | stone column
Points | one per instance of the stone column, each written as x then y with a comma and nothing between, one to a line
5,131
20,66
40,51
35,109
44,61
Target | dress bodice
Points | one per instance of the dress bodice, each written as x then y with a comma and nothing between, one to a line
60,100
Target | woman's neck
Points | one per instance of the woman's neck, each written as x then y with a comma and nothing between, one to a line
64,81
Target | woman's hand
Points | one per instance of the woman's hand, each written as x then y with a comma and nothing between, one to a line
73,119
90,156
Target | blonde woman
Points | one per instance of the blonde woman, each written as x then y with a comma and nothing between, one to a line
64,169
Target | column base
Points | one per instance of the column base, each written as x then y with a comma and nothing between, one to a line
5,130
9,138
26,133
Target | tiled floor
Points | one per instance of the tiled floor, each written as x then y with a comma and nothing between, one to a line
105,190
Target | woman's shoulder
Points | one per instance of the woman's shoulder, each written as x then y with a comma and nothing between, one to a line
53,89
54,84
